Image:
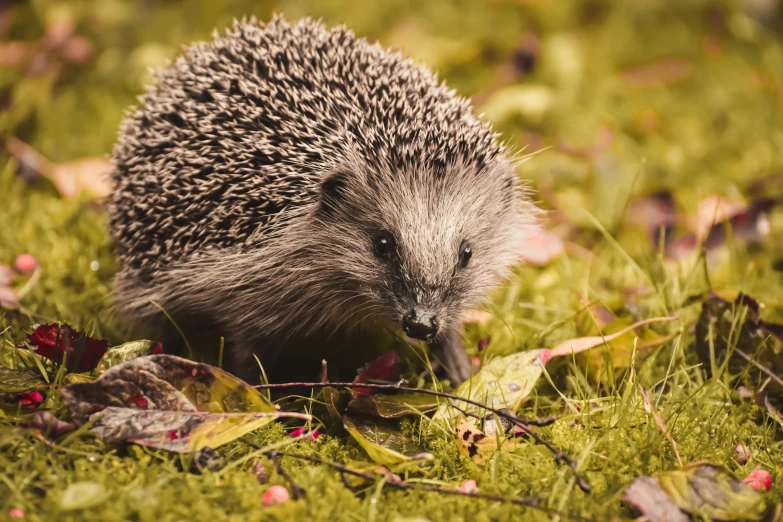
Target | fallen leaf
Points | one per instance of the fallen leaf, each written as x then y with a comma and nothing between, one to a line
13,53
506,382
384,368
49,425
8,298
31,399
542,248
304,433
383,441
658,74
750,225
713,210
178,431
529,101
56,342
335,404
71,178
477,445
206,459
6,275
479,317
125,352
581,344
503,382
656,213
90,174
171,403
164,382
20,380
711,491
651,501
604,141
718,331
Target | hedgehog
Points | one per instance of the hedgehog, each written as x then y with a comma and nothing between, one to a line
287,183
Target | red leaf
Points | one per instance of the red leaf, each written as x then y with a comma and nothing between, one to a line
81,352
384,368
305,433
31,399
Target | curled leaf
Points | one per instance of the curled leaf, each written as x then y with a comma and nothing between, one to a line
382,441
127,351
384,368
56,342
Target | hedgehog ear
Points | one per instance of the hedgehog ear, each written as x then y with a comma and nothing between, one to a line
333,190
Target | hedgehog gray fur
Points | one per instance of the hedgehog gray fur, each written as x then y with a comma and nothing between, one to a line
250,183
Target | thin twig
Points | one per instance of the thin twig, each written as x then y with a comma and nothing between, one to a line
272,455
523,423
399,484
766,371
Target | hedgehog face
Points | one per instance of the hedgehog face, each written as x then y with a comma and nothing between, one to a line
417,249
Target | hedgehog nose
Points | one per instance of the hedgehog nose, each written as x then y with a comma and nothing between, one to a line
420,324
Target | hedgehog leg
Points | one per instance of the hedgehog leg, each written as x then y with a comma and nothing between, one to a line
448,347
246,356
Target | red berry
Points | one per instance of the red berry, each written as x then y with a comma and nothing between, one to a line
759,479
25,264
275,495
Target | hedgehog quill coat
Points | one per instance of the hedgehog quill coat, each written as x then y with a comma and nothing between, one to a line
286,181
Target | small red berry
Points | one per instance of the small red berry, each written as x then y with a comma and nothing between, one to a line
25,264
275,495
759,479
469,486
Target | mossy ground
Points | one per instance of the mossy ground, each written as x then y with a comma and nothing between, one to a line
709,123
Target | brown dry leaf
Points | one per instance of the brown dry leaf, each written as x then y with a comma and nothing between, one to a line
582,344
606,138
542,248
479,317
657,74
712,210
659,421
479,446
650,500
13,53
90,174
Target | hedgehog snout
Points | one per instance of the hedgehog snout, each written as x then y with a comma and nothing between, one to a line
420,323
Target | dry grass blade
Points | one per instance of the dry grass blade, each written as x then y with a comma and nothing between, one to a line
582,344
659,421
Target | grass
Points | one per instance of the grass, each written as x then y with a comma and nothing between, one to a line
708,123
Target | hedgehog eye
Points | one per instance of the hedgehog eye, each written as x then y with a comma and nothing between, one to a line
383,243
465,253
